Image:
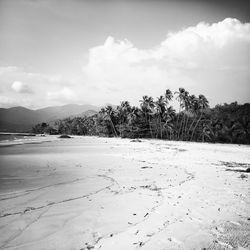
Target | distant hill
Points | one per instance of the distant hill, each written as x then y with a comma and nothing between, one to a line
20,119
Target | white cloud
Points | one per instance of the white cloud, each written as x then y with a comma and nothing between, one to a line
212,59
203,58
62,95
36,85
20,87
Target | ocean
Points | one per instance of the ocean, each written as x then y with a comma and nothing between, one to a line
15,136
21,138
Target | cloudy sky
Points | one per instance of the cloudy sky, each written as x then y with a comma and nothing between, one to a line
55,52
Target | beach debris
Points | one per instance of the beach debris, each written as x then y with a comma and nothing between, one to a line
141,244
111,235
136,140
146,167
146,215
152,187
89,247
28,209
237,167
150,234
235,164
130,223
64,136
243,176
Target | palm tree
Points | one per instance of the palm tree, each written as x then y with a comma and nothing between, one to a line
205,132
189,104
203,104
194,108
186,104
110,113
169,118
180,97
160,109
147,106
123,111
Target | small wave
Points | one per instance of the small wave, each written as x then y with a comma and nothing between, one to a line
18,140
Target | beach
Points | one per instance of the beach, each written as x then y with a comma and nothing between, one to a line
112,193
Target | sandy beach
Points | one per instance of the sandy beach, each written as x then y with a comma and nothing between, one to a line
108,193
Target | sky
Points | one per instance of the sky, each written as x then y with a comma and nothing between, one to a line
56,52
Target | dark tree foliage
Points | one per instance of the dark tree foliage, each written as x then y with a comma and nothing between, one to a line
195,121
42,128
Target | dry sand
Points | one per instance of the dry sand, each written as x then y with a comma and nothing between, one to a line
100,193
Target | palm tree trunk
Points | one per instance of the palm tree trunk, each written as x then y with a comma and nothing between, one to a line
196,126
177,122
150,129
191,126
113,126
160,126
179,131
185,130
183,126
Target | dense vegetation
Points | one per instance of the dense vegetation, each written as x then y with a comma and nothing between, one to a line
195,121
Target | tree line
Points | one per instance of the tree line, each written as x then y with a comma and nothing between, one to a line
194,121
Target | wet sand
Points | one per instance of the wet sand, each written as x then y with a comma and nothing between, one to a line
107,193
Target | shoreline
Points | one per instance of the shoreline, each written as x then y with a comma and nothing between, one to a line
54,137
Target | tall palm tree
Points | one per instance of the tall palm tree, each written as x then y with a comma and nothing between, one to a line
186,104
203,104
147,106
122,111
180,97
110,113
160,109
194,108
169,118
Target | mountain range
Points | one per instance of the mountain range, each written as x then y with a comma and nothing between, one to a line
20,119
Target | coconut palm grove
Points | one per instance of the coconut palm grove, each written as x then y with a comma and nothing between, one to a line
194,121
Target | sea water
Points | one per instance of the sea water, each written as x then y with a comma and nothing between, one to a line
22,138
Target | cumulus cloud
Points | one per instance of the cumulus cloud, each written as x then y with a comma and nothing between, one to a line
206,58
212,59
20,87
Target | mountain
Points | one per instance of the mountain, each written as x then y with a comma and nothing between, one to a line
20,119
